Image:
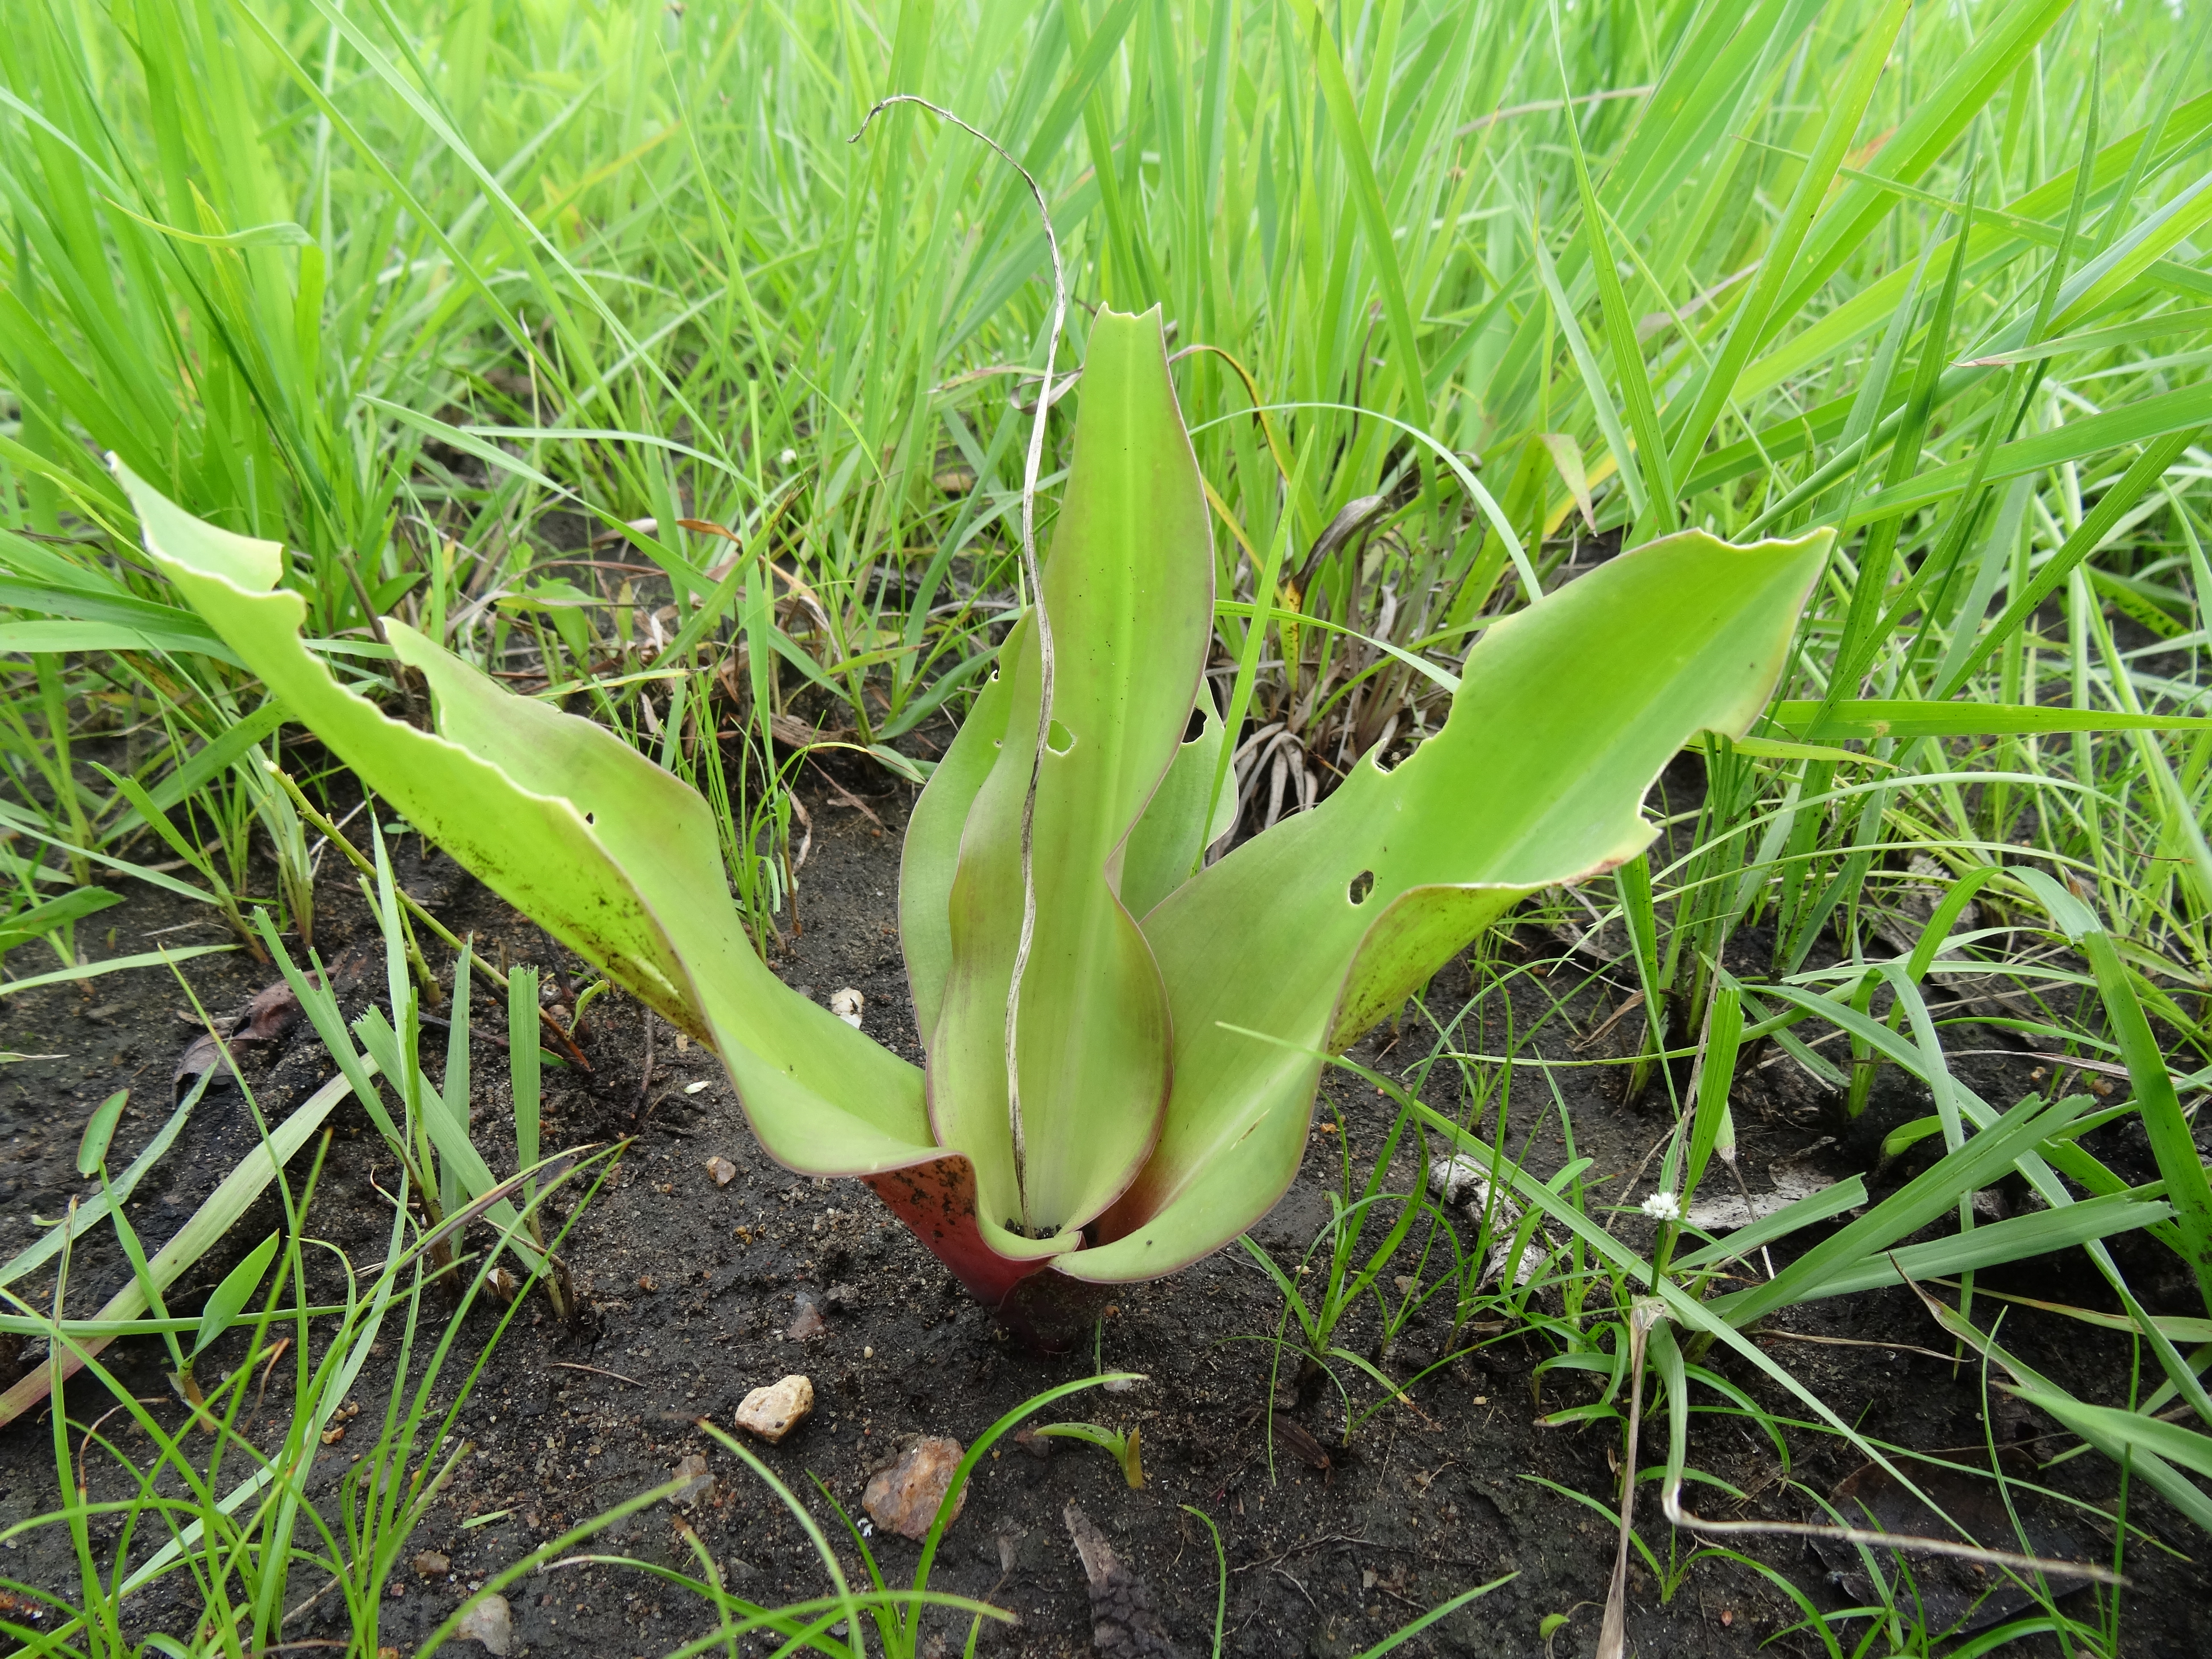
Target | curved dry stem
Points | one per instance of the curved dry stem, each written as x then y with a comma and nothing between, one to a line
1912,1543
1031,463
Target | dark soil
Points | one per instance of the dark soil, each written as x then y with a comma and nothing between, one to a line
690,1289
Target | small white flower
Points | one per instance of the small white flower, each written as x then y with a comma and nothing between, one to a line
1663,1207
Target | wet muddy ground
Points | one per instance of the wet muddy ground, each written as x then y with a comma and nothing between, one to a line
691,1289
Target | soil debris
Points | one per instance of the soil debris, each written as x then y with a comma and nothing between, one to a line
808,1321
698,1486
267,1018
1124,1622
1463,1183
1720,1210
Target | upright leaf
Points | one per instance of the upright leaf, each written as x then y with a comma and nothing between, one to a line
1128,590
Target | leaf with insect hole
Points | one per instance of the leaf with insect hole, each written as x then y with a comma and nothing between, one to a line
1142,1122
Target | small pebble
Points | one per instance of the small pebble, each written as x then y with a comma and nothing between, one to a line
847,1005
722,1170
698,1486
431,1565
774,1412
491,1622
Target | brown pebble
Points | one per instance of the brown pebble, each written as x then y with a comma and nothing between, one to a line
431,1565
698,1485
904,1498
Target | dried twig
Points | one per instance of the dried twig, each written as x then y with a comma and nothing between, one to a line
1030,466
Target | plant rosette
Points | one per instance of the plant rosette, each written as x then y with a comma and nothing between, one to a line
1123,1051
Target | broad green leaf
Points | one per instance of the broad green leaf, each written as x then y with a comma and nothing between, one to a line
2167,1440
567,823
237,1284
1566,711
1128,596
931,854
99,1130
1907,720
1164,846
42,919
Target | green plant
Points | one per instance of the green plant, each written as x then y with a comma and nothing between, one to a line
396,285
431,1136
238,1520
1125,1448
1053,1153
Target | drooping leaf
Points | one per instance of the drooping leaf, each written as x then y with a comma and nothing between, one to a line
41,920
567,823
1905,718
2170,1442
1566,714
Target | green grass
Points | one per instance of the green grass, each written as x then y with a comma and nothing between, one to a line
580,336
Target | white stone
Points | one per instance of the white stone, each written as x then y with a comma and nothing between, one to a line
488,1621
774,1412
